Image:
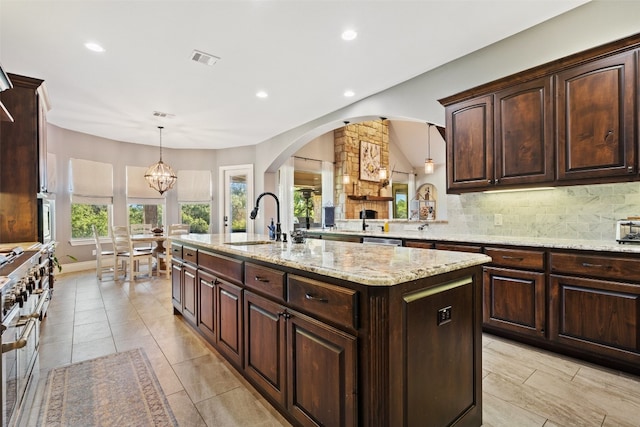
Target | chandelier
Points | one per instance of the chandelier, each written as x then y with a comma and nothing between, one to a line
160,176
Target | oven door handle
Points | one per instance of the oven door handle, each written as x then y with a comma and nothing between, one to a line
22,341
38,311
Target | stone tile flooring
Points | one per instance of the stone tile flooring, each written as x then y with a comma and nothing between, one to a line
522,386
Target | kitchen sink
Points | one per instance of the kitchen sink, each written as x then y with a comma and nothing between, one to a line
249,242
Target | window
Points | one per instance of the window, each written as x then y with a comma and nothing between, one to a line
143,213
194,196
400,200
197,215
91,187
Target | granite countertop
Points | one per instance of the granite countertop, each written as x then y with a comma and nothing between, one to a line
540,242
373,265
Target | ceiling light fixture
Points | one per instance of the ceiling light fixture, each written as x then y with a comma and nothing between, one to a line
428,163
160,176
94,47
348,93
262,94
349,35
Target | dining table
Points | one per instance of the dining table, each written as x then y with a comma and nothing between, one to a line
159,240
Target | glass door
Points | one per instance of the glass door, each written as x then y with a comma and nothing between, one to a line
237,199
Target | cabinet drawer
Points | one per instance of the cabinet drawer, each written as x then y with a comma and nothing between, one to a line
418,244
176,250
265,280
531,260
459,248
221,266
596,266
330,302
190,254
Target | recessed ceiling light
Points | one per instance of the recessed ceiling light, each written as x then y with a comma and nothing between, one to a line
262,94
348,93
94,47
349,35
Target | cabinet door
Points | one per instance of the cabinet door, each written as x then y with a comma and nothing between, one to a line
321,367
189,299
514,300
470,144
595,119
596,316
229,335
176,285
264,345
524,133
206,305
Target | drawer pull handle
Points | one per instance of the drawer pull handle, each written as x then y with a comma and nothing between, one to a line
514,258
586,264
261,279
313,298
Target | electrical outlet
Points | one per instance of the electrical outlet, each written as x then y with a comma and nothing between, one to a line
444,315
497,219
94,252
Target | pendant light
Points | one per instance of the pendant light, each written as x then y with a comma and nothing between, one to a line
428,163
160,176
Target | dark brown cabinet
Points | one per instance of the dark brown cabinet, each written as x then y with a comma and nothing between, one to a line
207,304
264,348
596,118
470,144
229,336
321,367
183,284
514,296
594,305
23,154
524,134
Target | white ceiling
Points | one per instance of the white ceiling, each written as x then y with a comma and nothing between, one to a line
291,49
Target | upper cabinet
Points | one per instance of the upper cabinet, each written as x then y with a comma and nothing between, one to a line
524,133
570,121
596,126
22,145
470,144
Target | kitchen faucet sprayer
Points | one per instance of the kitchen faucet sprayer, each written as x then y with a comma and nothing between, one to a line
254,212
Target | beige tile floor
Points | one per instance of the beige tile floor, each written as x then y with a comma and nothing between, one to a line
522,386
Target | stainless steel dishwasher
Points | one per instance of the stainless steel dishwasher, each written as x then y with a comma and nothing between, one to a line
381,241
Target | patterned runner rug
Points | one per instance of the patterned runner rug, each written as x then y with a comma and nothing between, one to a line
115,390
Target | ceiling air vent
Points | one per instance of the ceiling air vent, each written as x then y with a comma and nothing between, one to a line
204,58
163,115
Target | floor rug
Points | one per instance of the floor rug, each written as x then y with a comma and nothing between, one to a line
115,390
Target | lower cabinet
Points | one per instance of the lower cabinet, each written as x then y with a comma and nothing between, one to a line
207,304
229,320
189,299
303,364
514,300
183,289
597,316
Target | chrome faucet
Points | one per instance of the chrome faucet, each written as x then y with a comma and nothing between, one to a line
254,212
422,227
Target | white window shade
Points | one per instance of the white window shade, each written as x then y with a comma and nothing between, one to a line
91,179
194,186
138,187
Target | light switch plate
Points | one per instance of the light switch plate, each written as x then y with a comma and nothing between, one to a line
497,219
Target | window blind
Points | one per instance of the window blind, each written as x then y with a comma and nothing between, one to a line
91,179
194,186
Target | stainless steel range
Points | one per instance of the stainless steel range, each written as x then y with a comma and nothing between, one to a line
25,290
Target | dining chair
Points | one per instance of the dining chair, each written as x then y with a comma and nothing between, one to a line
141,229
123,246
102,255
174,230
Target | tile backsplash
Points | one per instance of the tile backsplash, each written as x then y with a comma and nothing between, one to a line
585,212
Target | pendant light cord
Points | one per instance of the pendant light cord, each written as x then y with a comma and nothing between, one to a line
160,127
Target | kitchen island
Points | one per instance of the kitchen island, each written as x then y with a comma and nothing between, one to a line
337,333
